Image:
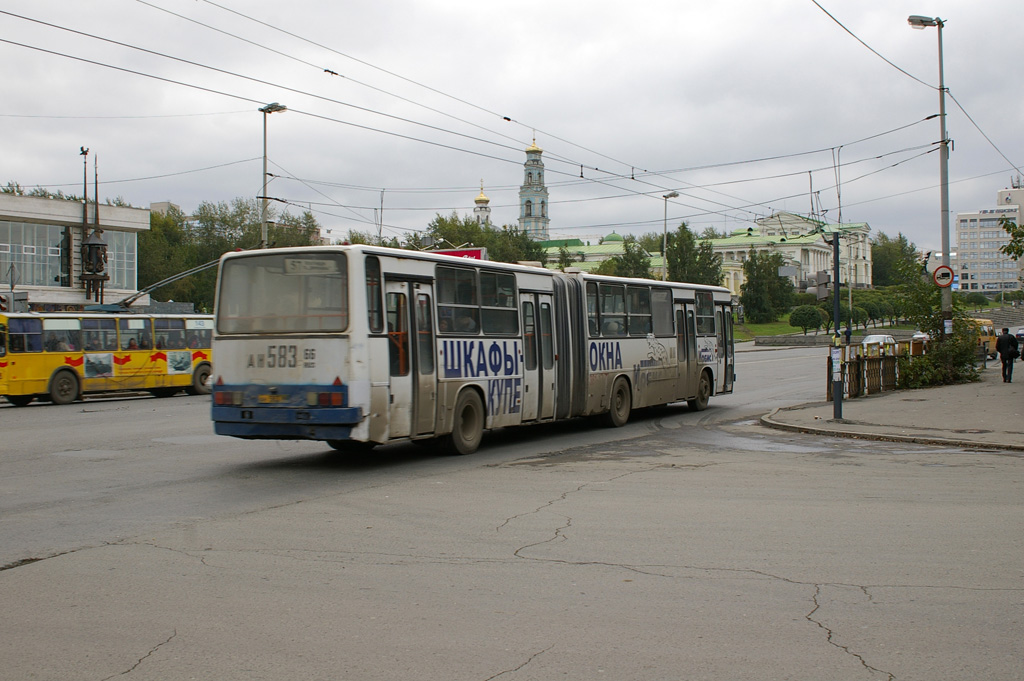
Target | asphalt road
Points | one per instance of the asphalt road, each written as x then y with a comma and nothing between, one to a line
683,546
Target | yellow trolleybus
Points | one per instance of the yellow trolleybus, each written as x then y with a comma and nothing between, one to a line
60,357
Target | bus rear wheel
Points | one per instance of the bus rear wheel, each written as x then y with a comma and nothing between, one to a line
63,388
700,402
467,424
19,400
620,403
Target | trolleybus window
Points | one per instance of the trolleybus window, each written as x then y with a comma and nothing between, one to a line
62,335
99,334
136,334
307,292
26,335
170,333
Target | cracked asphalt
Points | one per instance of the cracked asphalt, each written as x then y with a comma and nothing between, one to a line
685,546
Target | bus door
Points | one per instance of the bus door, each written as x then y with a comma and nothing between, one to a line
726,355
413,382
538,393
686,351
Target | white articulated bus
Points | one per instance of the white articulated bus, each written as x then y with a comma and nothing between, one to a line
364,345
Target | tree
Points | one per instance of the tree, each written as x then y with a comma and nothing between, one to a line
690,262
806,317
890,258
952,359
765,295
175,244
564,258
507,244
633,262
652,242
710,233
1014,249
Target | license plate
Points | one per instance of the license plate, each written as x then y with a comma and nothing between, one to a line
273,399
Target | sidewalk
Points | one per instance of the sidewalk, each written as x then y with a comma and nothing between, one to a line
986,414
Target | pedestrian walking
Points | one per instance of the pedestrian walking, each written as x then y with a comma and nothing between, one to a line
1006,346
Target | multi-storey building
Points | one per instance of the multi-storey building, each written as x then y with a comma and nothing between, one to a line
42,254
982,266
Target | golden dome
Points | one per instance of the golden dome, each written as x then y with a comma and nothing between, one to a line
483,197
534,147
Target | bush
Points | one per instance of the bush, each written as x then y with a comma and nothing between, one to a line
948,361
806,317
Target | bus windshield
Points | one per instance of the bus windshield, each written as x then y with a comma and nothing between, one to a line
276,292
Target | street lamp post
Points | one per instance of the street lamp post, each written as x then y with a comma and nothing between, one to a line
664,238
919,22
273,107
837,376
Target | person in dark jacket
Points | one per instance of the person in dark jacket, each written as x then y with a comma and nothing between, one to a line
1006,346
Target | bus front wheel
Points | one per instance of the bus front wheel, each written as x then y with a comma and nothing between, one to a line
63,388
620,404
700,402
467,424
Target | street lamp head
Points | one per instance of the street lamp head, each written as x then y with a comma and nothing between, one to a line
671,195
273,107
920,23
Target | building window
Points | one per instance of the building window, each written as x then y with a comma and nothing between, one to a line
528,210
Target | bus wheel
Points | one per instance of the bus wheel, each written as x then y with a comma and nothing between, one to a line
700,402
201,381
620,404
19,400
63,388
468,424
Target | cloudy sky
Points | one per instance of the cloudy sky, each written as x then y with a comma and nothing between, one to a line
744,107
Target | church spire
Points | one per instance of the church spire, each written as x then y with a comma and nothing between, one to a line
483,208
533,196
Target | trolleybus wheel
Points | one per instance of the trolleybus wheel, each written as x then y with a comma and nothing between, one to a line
19,400
700,402
63,388
467,425
620,404
200,381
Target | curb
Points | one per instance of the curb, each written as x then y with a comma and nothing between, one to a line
768,421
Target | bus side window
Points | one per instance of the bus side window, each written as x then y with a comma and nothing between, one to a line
529,337
398,334
3,341
373,311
